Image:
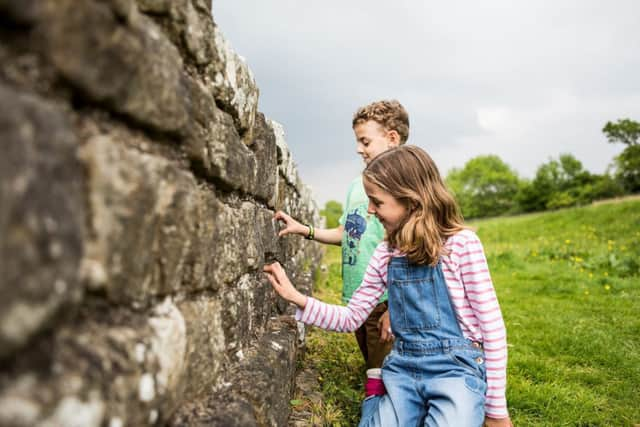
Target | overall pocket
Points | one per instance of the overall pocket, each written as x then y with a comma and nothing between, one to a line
414,304
471,360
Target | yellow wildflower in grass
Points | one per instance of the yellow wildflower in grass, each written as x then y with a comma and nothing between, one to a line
606,273
590,275
566,242
586,292
607,287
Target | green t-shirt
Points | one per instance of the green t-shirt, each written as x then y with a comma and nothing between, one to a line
362,234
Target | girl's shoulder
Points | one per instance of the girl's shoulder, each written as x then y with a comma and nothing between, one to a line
383,251
463,237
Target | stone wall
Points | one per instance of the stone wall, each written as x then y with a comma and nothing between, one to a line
138,184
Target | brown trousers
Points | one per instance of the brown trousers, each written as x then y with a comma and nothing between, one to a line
368,338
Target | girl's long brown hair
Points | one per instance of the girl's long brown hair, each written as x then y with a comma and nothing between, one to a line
411,177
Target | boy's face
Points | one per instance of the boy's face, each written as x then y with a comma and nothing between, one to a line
372,139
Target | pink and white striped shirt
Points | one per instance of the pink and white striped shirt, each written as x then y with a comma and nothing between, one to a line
471,291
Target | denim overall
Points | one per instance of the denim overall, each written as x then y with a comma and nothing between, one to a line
433,375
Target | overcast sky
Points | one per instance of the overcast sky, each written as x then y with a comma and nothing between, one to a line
526,80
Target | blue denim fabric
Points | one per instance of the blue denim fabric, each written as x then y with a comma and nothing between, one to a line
433,376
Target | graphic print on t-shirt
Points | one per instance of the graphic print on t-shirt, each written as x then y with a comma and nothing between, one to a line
354,228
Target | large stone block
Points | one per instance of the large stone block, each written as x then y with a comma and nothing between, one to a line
286,165
144,219
233,84
118,57
258,388
183,238
205,356
190,25
111,367
266,155
41,216
224,157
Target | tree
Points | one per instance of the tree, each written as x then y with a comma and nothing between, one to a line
332,212
625,131
627,163
485,186
557,184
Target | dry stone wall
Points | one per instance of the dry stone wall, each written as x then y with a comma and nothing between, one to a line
138,182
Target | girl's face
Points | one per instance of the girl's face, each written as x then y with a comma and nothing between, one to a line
385,207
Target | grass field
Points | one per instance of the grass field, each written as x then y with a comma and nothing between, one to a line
569,288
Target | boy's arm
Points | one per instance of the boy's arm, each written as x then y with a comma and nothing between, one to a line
332,236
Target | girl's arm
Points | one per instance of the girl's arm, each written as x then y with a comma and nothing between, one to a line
333,317
468,254
282,285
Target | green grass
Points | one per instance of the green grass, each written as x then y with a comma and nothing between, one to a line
569,288
335,356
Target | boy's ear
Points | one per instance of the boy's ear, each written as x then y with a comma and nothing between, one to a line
394,138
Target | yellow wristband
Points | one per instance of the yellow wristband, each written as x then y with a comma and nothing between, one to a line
311,234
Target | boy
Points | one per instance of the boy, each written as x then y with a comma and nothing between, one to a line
378,126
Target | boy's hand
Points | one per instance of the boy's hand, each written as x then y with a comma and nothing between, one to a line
384,327
497,422
282,285
291,225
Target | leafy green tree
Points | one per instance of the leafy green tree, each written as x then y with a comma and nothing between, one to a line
600,187
625,131
558,184
627,163
332,212
485,186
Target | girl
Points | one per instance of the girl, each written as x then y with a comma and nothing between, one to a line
448,363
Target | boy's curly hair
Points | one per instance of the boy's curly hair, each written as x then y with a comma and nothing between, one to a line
390,114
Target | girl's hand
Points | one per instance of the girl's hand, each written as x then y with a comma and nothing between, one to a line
384,327
291,225
497,422
281,284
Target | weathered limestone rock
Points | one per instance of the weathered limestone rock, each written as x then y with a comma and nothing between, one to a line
130,66
253,396
266,154
121,366
144,205
233,84
41,213
138,185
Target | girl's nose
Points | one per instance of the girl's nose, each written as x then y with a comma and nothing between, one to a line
371,209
